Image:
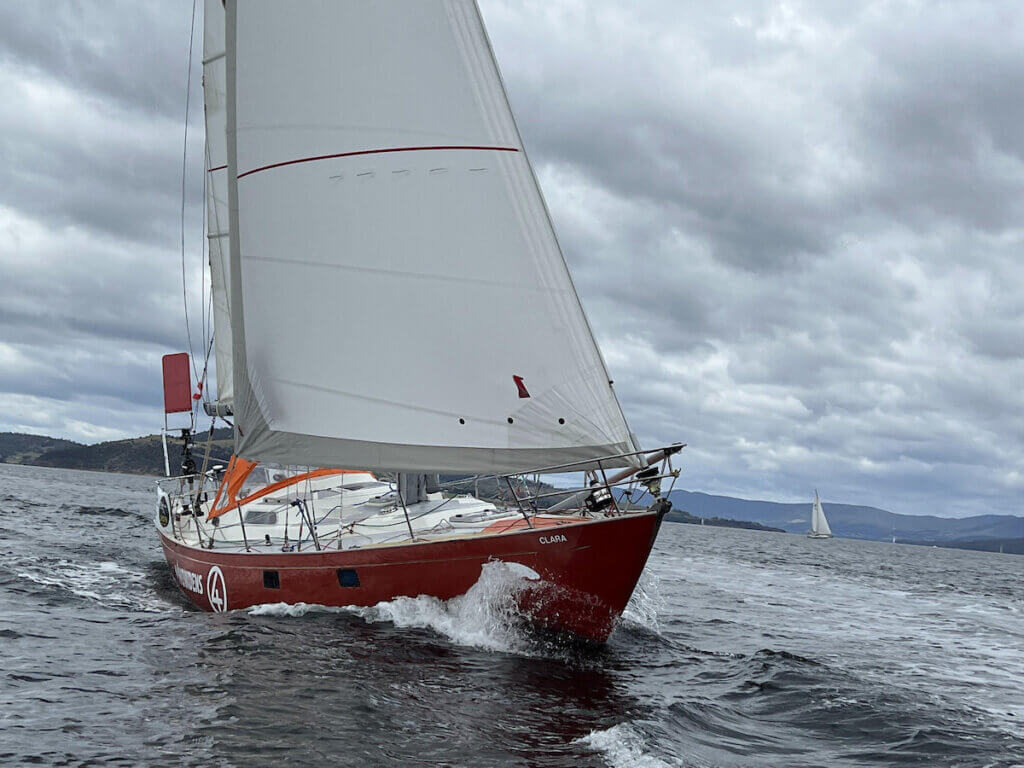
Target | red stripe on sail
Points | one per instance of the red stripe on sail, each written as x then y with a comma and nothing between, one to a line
373,152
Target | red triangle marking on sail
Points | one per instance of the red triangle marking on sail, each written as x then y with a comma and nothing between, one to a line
523,392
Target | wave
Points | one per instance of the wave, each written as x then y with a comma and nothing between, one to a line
646,605
487,616
107,583
622,746
110,511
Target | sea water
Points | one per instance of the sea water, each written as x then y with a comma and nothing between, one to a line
739,648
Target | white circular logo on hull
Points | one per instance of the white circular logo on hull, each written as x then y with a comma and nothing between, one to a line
216,590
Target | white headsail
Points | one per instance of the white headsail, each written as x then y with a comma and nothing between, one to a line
819,523
215,102
398,296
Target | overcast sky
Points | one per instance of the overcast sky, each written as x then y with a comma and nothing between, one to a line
797,228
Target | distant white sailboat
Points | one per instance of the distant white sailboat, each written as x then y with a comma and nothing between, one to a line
819,523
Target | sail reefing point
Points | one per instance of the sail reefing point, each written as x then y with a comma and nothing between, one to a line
381,151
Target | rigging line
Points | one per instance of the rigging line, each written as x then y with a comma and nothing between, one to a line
206,370
208,301
206,459
209,316
202,268
208,329
207,191
184,168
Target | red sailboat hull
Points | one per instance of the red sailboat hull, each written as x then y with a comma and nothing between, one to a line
587,570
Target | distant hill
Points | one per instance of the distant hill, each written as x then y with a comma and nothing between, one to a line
19,448
139,455
1005,546
856,522
718,522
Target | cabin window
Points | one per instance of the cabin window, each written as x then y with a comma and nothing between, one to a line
347,577
271,580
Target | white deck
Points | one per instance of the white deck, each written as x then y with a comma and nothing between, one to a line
348,511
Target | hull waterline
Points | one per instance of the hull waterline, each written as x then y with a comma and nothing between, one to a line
587,572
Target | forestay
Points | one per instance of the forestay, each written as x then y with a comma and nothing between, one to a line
215,98
398,297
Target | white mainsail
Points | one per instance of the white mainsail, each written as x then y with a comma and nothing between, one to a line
398,297
215,102
819,523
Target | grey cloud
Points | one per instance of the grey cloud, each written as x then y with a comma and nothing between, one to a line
795,227
122,52
78,161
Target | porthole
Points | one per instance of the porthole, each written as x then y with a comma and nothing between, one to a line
348,578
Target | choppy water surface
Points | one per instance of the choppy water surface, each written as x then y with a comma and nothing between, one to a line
740,648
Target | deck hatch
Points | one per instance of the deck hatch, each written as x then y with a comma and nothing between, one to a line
260,517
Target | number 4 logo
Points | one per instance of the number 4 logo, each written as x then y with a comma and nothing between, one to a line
217,590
